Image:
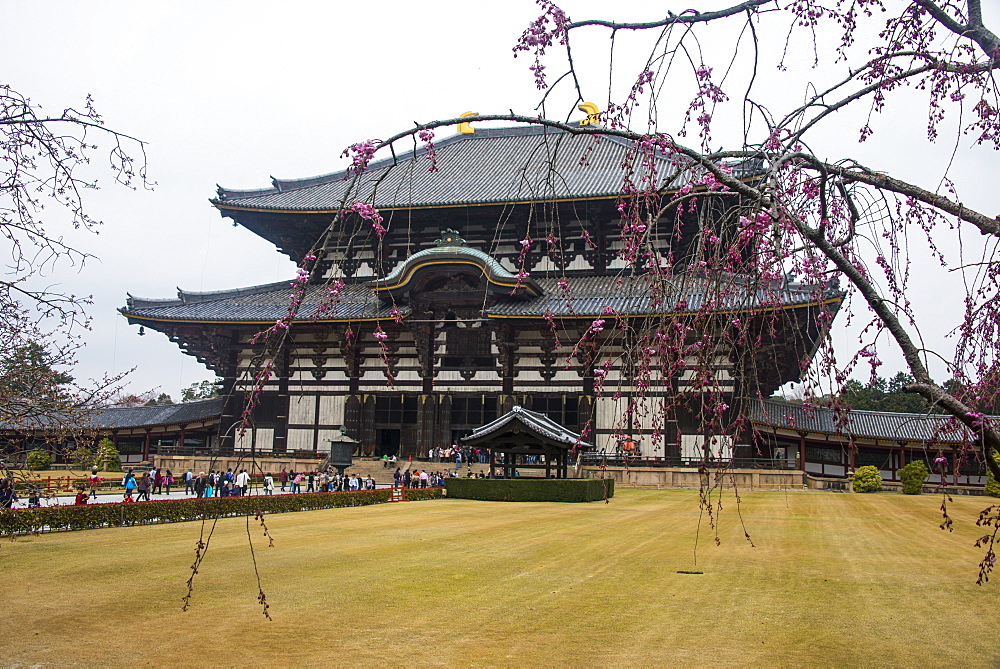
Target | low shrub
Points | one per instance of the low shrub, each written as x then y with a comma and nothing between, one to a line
531,489
51,518
992,485
913,476
38,460
867,479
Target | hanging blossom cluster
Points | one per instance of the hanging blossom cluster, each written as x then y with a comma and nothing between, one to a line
538,36
703,104
330,301
381,336
427,137
360,153
370,213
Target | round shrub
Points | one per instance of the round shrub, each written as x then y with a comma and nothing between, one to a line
108,458
82,457
867,479
38,460
913,476
992,485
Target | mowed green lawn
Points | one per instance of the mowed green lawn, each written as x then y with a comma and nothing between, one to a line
834,579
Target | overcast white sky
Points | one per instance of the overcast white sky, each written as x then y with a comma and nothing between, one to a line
233,92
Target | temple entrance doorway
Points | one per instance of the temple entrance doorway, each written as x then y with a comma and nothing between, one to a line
388,442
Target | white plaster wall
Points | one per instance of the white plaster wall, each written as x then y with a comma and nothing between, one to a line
692,445
265,440
300,440
331,411
302,409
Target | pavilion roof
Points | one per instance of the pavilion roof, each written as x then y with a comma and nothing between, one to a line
859,424
489,166
537,423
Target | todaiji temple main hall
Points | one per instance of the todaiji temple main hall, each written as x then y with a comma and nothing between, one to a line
474,325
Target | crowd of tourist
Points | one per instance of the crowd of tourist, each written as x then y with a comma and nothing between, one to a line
142,485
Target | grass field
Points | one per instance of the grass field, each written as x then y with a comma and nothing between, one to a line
834,579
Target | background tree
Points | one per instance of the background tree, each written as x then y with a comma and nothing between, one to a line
884,395
162,398
203,390
44,173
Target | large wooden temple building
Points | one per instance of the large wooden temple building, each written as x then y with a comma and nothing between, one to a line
502,278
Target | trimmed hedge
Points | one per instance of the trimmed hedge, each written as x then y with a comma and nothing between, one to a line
91,516
531,489
420,494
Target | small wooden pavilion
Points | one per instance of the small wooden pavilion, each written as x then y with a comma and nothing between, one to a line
523,439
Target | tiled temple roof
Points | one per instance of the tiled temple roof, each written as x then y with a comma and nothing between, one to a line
645,295
161,414
533,421
492,165
588,297
859,424
259,304
128,417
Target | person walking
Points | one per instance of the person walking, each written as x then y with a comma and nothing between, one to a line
95,481
268,484
283,478
168,480
189,482
243,482
129,484
145,483
158,483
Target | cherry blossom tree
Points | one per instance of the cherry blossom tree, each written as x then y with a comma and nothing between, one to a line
44,175
776,83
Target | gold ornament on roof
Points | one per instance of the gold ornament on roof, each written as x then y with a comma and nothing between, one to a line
593,113
466,128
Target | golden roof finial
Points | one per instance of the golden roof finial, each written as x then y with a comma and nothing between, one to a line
466,128
592,111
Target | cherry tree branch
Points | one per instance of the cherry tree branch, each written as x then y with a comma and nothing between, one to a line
687,16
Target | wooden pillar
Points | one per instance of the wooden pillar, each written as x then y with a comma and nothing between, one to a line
145,447
493,462
443,433
280,442
802,451
507,348
368,425
180,440
426,425
232,402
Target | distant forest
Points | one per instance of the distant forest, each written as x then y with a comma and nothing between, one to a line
881,395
